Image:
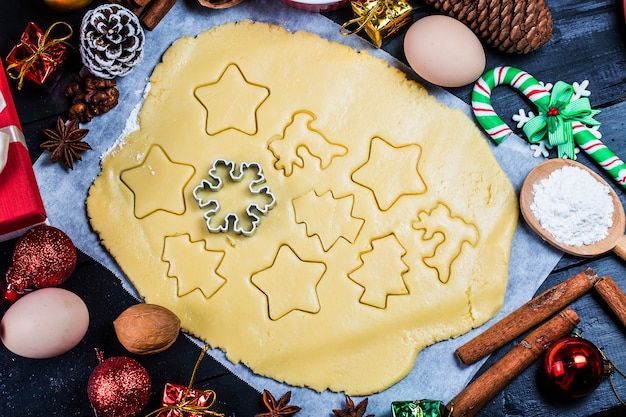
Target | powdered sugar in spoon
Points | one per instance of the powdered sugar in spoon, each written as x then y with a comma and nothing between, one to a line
615,240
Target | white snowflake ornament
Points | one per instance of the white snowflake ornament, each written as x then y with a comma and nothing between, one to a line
522,117
541,148
580,90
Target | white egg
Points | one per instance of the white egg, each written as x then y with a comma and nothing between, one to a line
44,323
444,51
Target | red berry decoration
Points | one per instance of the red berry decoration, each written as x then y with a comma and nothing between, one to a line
575,366
118,387
43,257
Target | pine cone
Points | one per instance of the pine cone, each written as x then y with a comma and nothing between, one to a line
91,96
111,41
519,26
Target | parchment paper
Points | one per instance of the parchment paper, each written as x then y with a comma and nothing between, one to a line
437,374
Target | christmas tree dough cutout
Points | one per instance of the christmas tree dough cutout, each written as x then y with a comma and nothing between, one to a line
335,222
381,271
198,272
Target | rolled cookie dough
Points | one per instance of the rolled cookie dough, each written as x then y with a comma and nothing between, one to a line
306,208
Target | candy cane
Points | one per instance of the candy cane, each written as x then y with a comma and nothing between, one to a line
498,130
598,151
481,97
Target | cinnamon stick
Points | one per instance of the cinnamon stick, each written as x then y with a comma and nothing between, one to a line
477,394
155,11
527,316
139,3
135,6
613,295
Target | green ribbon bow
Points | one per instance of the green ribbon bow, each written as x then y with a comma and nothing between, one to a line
555,119
421,408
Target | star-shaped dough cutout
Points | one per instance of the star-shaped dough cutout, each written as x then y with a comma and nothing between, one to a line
296,291
193,265
231,102
158,183
390,172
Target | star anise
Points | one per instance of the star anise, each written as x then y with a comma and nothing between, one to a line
65,142
351,410
278,408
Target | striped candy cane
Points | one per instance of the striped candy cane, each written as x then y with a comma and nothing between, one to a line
598,151
481,97
498,130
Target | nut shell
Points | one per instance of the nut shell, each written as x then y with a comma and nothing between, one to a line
147,328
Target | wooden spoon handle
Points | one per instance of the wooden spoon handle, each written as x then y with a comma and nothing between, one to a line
620,247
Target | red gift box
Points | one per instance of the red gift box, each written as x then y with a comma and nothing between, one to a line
175,401
21,206
38,57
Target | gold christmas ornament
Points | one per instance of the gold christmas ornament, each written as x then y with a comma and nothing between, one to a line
66,5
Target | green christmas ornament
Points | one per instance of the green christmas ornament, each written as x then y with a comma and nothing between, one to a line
419,408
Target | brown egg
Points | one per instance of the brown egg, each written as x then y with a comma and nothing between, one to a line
44,323
444,51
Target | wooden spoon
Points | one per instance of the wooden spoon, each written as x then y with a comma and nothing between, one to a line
615,240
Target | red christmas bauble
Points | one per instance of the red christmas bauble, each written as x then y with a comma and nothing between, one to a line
575,366
43,257
119,387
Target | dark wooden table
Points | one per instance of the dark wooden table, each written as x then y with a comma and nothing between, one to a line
589,43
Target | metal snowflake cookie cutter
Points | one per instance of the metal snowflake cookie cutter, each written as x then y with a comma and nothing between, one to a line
253,210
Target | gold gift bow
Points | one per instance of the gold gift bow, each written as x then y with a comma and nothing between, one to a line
186,405
380,18
361,20
27,63
377,7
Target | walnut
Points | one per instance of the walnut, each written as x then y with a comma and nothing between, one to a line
91,96
147,328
